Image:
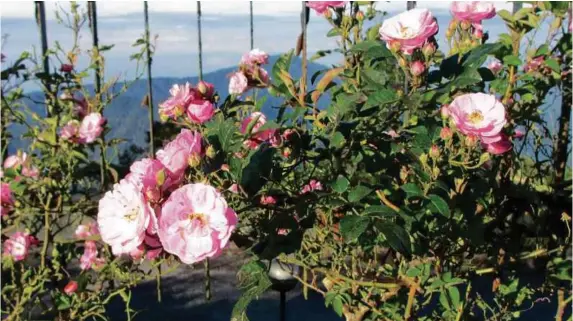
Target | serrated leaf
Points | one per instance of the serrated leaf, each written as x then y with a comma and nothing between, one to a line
351,227
439,205
396,236
358,193
340,185
412,189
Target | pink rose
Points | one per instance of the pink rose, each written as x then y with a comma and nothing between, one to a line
234,189
205,89
66,68
71,287
257,136
196,223
417,68
91,127
175,156
409,29
123,217
175,105
313,185
200,111
18,245
6,199
150,177
478,114
89,259
80,107
22,160
499,146
268,200
534,64
238,83
255,57
495,66
472,11
84,231
322,6
70,131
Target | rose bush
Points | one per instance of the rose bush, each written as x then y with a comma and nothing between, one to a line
421,193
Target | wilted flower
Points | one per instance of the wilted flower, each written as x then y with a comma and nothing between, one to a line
257,136
255,57
89,258
84,231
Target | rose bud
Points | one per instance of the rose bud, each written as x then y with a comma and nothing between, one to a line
71,287
417,68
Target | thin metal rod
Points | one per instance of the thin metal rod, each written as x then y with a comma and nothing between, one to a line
41,21
149,80
200,40
517,5
251,17
92,14
303,19
282,307
410,5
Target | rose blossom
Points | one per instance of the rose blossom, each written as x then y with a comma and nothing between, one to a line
175,156
257,136
409,29
313,185
498,147
17,245
14,161
495,66
200,111
6,199
70,131
268,200
234,189
89,259
175,105
238,83
478,114
91,127
472,11
150,177
255,57
196,223
533,64
205,89
123,217
83,231
322,6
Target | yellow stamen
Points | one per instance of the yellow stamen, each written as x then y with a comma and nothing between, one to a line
475,117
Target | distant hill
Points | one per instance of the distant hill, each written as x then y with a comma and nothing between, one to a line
128,120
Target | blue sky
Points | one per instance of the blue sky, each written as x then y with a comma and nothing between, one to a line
225,31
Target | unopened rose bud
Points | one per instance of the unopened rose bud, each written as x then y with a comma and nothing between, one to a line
446,133
434,152
453,25
210,152
66,68
466,25
471,141
417,68
403,62
327,14
194,160
225,168
429,49
205,89
395,46
360,16
71,287
445,111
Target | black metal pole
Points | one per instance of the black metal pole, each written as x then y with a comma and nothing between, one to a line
411,5
251,17
41,21
282,309
92,15
200,40
149,80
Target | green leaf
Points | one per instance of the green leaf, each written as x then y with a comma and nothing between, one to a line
63,301
477,56
396,236
439,205
378,210
337,305
283,63
337,140
341,184
553,64
358,193
372,49
253,281
351,227
256,173
467,78
376,76
412,189
512,60
542,50
381,97
333,32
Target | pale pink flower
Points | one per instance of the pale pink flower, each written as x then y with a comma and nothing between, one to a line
268,200
238,83
138,252
478,30
153,246
18,245
15,161
392,133
417,68
257,136
89,258
32,172
91,127
196,223
150,177
205,89
445,111
234,189
70,131
200,111
255,57
313,185
495,66
6,199
84,231
534,64
410,29
175,105
175,156
478,114
322,6
123,217
288,133
499,146
472,11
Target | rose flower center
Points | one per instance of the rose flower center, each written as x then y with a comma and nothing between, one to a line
131,215
199,218
475,117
